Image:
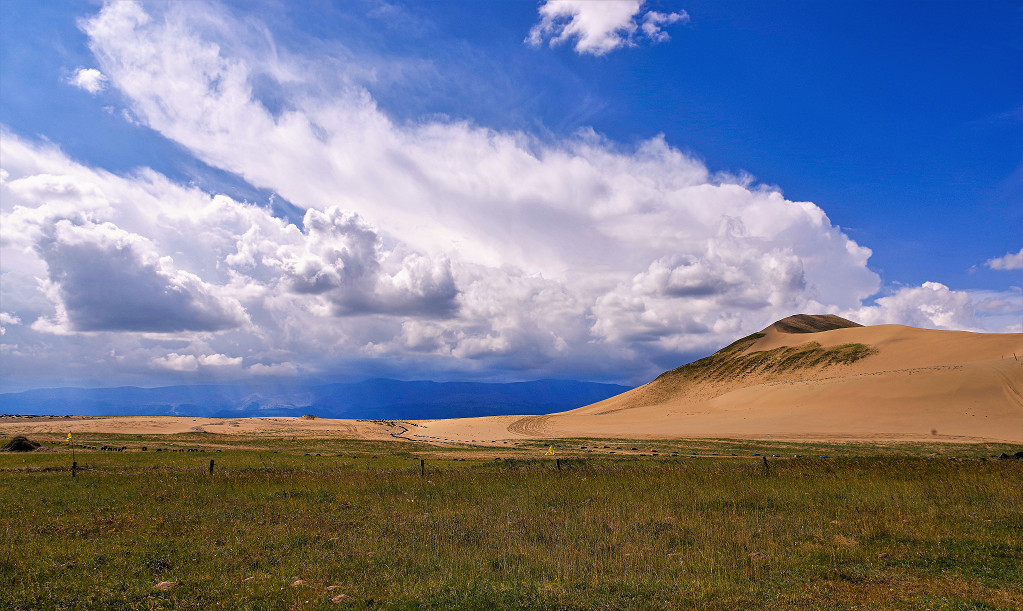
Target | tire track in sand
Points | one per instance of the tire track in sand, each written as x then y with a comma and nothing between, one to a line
531,426
1009,386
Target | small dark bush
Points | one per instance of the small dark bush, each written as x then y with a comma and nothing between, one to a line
21,444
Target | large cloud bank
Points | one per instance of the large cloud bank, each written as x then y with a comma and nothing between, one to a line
435,248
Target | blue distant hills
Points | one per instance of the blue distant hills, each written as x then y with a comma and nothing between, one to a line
370,399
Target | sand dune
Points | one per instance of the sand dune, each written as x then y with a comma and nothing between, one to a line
905,383
804,377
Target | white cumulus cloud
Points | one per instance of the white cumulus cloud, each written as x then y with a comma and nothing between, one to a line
600,27
1008,262
931,305
273,369
89,79
341,258
6,318
219,360
176,362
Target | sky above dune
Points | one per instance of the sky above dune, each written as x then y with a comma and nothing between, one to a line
258,191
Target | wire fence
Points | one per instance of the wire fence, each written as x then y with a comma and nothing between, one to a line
422,467
145,472
212,468
436,466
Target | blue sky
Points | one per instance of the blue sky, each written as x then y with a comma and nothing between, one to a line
507,190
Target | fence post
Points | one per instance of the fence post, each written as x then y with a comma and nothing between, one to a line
558,462
74,469
211,466
422,467
767,469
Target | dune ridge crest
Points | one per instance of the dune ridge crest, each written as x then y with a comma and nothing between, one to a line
811,323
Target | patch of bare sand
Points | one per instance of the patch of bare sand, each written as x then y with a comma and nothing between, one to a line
169,425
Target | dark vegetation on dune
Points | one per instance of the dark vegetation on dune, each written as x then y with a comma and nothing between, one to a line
732,362
707,377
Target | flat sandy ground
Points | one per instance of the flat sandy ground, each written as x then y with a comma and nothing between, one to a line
170,425
921,386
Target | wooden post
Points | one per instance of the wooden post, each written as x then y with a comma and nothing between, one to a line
211,466
74,468
558,462
767,469
422,467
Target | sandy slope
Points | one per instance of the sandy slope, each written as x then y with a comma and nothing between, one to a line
918,385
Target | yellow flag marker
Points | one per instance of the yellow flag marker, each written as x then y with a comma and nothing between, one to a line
550,451
69,436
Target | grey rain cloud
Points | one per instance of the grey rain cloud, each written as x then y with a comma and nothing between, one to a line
106,284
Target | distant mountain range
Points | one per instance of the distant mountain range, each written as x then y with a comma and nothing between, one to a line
370,399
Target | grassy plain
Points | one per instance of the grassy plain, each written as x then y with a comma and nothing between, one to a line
867,527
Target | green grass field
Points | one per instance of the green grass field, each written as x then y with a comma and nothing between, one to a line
868,527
